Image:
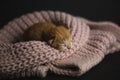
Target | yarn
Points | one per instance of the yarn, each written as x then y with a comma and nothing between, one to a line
91,42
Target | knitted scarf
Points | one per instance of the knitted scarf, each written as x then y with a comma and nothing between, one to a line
91,42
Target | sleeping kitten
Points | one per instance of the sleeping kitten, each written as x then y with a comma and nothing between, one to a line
56,36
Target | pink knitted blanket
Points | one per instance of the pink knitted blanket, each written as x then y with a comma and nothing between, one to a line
91,42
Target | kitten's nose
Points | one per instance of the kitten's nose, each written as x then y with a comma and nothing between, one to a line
69,46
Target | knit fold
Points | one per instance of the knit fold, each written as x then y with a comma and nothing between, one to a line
91,42
87,56
106,26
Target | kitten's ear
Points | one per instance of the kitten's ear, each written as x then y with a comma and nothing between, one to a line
68,29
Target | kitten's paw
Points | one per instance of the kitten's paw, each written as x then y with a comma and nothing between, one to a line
61,48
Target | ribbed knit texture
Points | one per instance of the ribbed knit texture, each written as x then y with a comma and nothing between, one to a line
91,42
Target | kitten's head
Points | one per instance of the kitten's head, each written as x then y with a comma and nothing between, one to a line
61,38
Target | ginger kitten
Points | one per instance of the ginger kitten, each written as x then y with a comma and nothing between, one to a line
56,36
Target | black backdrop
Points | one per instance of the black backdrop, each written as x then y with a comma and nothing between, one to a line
96,10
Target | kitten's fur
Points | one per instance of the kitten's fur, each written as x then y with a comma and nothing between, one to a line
57,36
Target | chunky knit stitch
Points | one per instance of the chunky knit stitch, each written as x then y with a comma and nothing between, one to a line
91,42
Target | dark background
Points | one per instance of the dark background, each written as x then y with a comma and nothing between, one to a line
96,10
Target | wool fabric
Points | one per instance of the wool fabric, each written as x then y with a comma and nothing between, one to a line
91,42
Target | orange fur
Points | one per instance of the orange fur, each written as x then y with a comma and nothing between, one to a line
56,36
